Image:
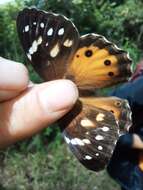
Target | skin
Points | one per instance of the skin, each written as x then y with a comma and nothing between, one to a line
27,108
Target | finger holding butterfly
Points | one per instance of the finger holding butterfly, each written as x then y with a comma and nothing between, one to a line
25,110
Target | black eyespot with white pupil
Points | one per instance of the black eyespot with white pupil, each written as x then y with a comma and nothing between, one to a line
88,53
107,62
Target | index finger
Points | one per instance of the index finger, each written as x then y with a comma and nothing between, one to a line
13,78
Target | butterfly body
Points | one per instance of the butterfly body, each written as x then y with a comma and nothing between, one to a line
56,50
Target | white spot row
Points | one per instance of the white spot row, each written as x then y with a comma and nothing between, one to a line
77,141
49,32
56,49
34,47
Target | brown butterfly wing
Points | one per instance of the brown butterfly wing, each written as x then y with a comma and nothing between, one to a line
49,41
98,63
91,134
119,107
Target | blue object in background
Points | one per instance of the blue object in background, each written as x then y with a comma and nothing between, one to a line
123,166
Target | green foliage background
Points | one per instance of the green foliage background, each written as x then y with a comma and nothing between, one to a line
44,162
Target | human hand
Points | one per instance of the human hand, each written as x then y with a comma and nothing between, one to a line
27,108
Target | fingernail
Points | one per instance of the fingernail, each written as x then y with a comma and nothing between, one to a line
58,95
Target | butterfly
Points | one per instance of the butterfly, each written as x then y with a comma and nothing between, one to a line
55,49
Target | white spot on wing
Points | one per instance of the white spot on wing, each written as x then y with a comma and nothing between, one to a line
77,141
50,32
34,23
68,43
27,28
31,51
99,138
42,25
34,46
100,148
39,41
61,31
86,141
105,129
29,56
97,154
86,123
100,117
87,157
73,141
55,50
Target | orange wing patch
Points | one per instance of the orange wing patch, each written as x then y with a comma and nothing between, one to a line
98,63
119,107
93,67
111,104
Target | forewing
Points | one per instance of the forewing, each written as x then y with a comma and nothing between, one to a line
49,41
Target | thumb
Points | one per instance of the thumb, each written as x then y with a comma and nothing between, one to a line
36,108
